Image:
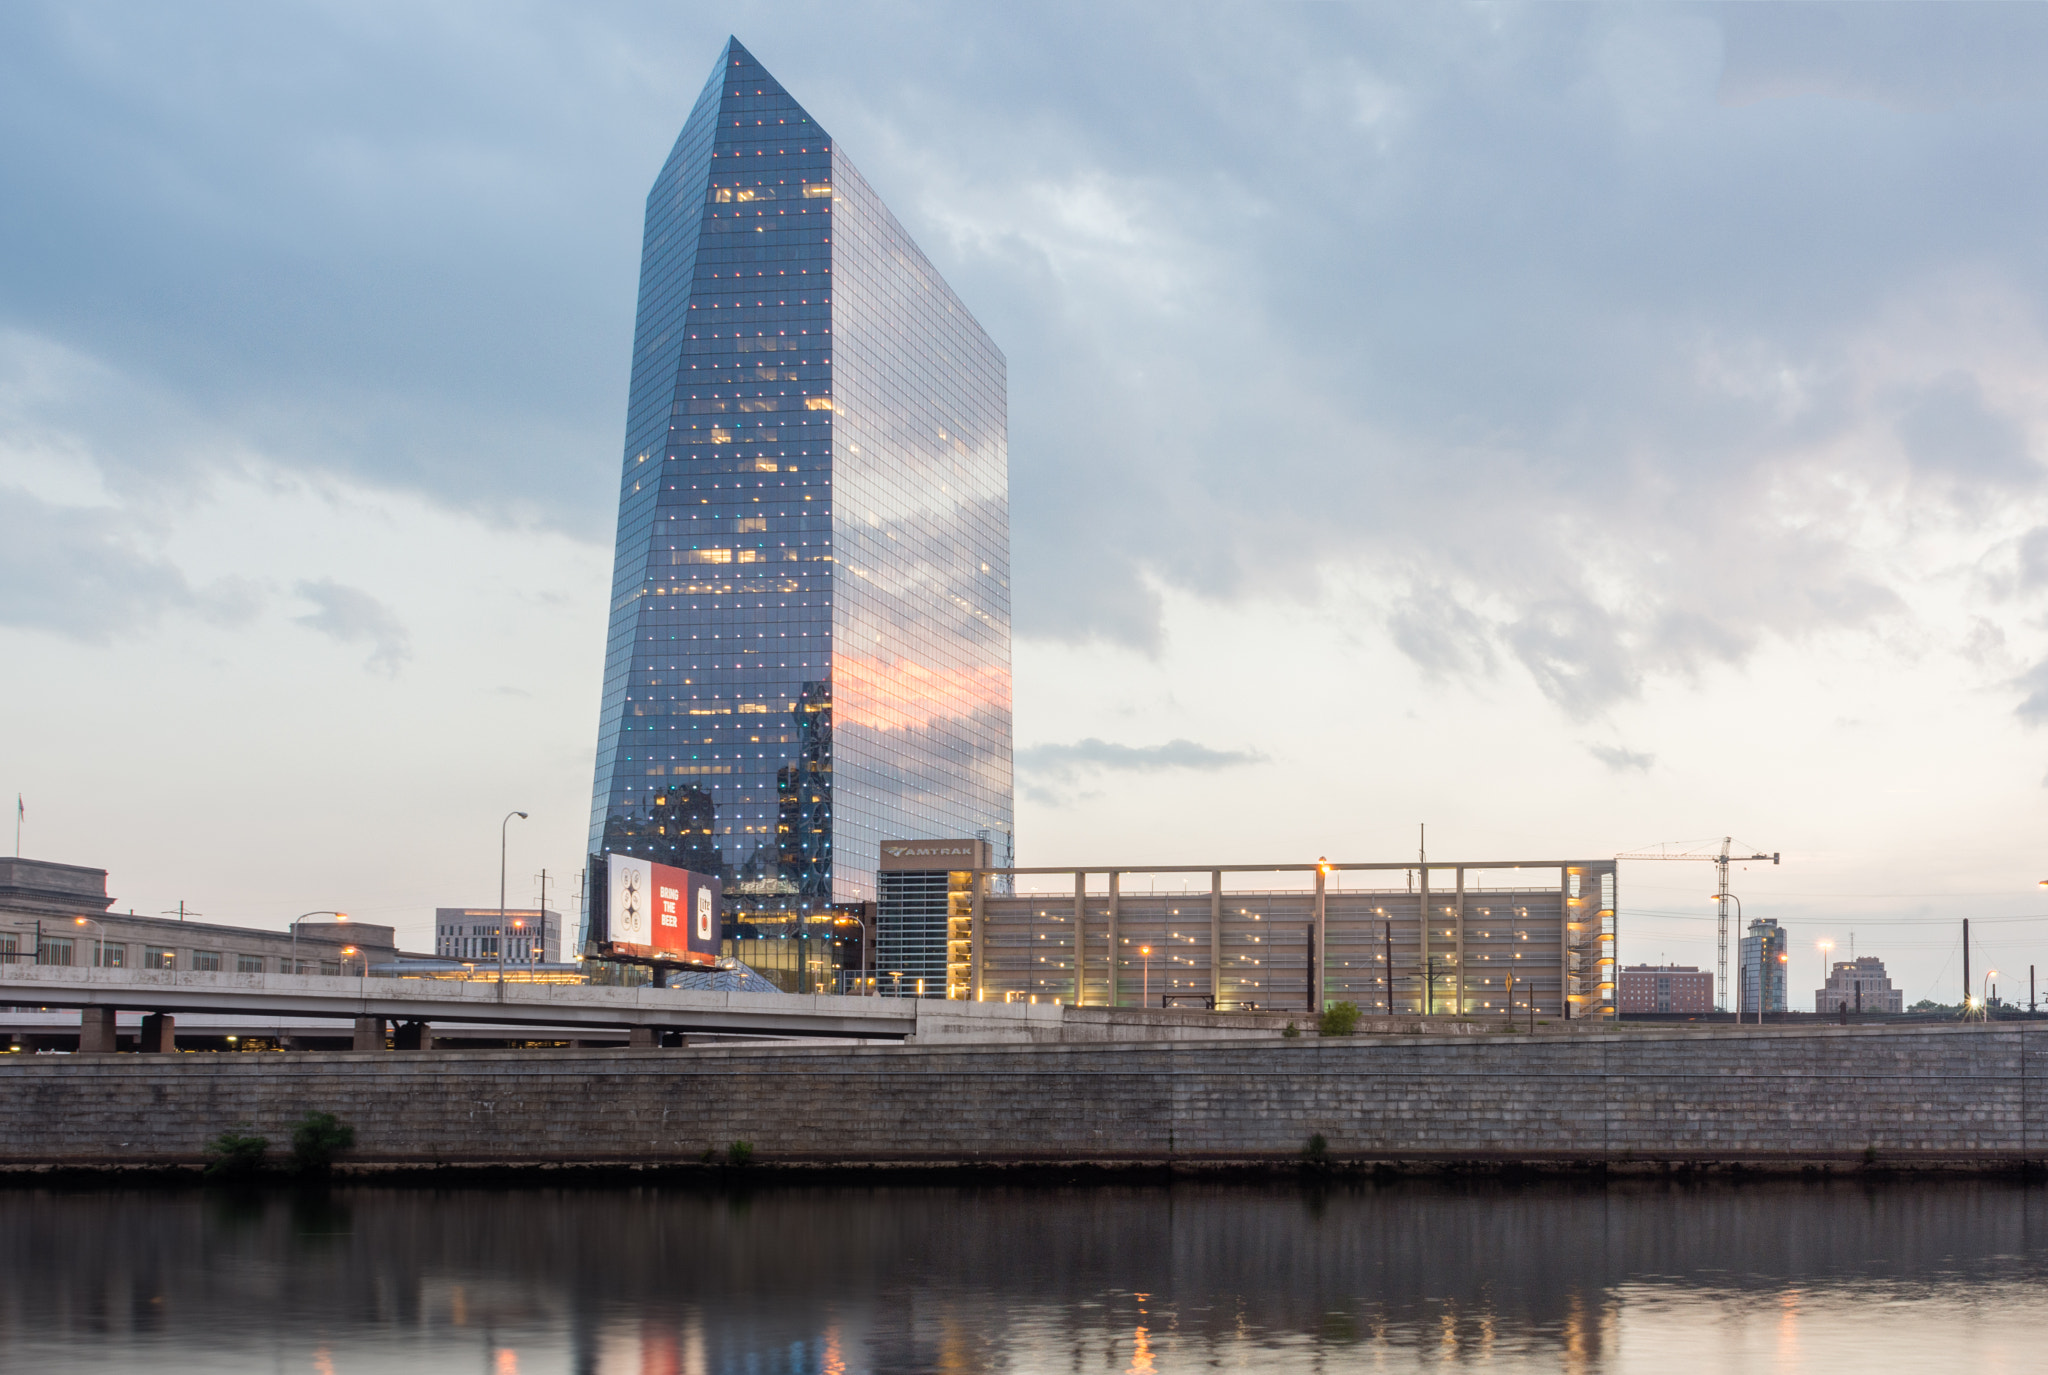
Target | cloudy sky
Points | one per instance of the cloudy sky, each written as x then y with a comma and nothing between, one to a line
1576,428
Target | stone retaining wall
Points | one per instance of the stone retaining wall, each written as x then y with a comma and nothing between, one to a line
1961,1096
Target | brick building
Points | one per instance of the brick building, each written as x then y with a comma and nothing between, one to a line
1666,988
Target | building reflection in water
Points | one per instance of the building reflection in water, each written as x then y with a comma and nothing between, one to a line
818,1281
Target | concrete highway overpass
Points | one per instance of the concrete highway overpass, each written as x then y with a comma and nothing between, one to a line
571,1011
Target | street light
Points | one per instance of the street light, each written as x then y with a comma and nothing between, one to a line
99,956
1985,1001
323,912
1145,992
501,889
1826,948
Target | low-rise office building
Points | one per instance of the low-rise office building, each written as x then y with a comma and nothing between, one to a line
1666,988
1465,939
531,935
1859,985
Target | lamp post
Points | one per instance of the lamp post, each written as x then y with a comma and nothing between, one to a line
1785,959
1985,1001
100,954
323,912
1826,948
1145,990
501,889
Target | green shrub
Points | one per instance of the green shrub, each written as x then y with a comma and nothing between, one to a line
740,1153
1339,1019
1291,1031
236,1154
315,1139
1317,1150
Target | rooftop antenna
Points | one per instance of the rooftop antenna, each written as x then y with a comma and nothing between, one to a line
181,913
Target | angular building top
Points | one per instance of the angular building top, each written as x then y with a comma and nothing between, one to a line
809,645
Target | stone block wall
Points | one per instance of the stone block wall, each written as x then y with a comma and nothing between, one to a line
1964,1096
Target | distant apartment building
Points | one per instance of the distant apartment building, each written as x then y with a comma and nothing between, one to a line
1859,985
1764,966
1666,988
471,933
58,914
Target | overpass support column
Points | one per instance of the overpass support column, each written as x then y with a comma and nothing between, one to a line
643,1038
369,1034
412,1036
96,1031
1216,940
1116,963
1080,938
159,1033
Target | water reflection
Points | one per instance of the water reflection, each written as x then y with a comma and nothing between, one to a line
833,1281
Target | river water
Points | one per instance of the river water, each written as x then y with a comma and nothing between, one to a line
827,1281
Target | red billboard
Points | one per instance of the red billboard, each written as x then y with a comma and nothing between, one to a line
657,912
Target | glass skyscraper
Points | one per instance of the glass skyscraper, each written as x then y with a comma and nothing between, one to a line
810,620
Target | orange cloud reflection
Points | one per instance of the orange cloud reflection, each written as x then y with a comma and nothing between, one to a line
902,694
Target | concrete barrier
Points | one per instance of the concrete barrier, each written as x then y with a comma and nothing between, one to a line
1961,1097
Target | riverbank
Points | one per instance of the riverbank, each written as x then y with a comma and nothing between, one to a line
1951,1099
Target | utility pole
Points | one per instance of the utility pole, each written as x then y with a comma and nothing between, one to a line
1966,966
543,910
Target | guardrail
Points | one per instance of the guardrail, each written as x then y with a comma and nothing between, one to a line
424,1000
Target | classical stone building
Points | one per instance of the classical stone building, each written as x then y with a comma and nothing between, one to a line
1859,985
59,914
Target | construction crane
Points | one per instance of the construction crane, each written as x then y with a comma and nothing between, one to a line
1720,858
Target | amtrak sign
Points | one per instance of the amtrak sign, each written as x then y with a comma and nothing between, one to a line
899,856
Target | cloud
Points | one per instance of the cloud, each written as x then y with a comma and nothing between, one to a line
1442,636
1622,759
1948,429
351,615
80,572
1601,360
1065,762
2033,707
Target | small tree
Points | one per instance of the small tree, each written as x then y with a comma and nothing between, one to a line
740,1153
315,1139
236,1154
1339,1019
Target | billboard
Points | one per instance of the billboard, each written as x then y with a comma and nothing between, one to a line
658,912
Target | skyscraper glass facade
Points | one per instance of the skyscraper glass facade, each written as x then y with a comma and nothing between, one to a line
1763,968
809,645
